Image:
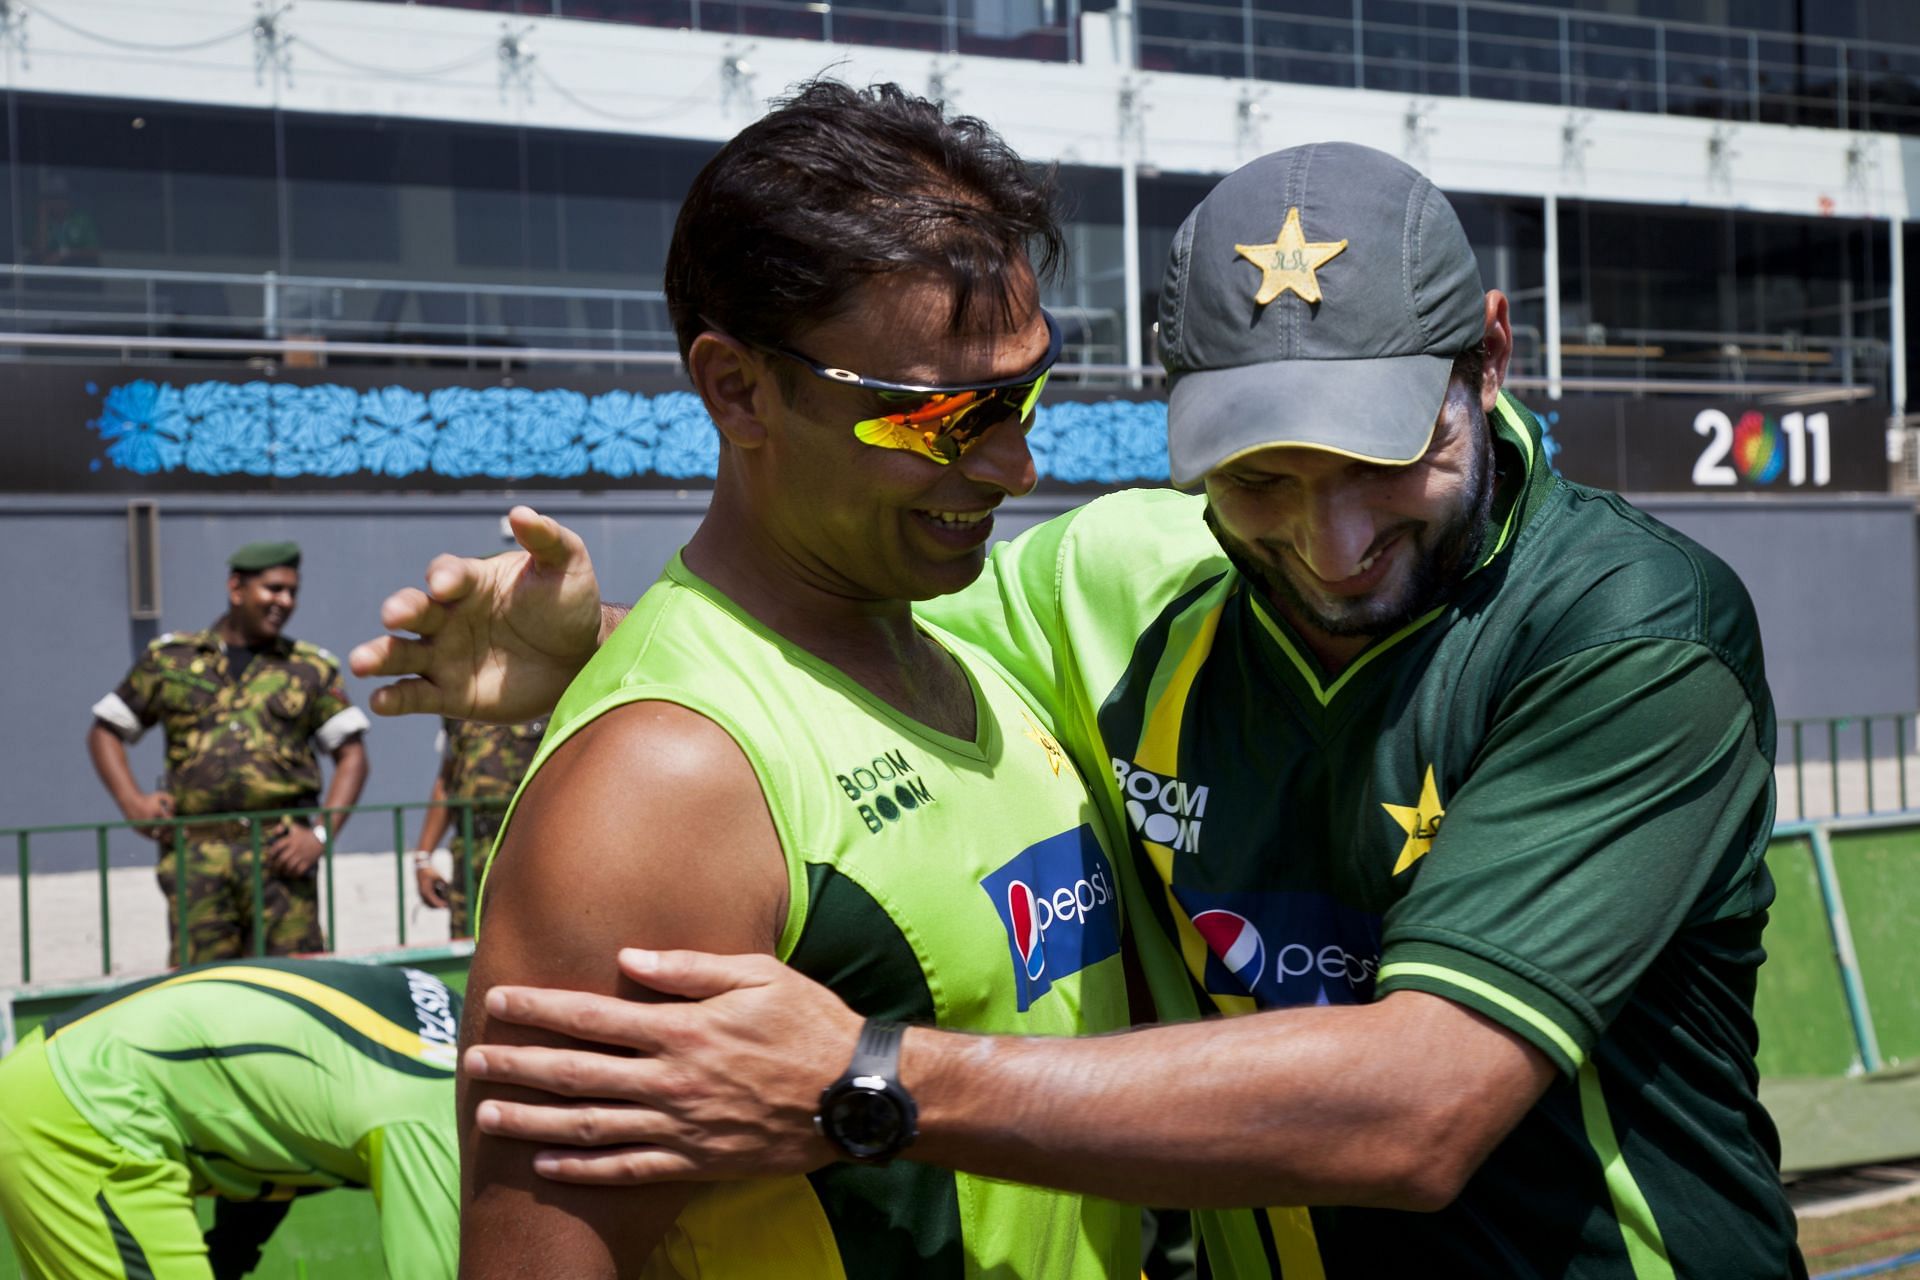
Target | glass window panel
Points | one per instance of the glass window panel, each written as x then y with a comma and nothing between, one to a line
1010,28
1613,65
1412,46
1708,74
489,229
871,24
1887,87
652,13
1515,56
786,19
1313,44
1088,295
1197,39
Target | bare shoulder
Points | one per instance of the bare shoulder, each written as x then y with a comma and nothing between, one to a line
647,827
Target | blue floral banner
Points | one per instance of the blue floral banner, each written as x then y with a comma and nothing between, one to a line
328,431
75,429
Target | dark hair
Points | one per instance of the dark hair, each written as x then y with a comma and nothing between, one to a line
838,185
1470,366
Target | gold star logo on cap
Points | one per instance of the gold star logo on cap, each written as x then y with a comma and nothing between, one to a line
1289,262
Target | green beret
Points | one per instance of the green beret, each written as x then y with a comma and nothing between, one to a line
256,556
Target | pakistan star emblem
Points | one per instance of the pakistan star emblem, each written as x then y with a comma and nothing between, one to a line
1289,262
1420,821
1055,756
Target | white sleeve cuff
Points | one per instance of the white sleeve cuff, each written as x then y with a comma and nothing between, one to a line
350,723
114,712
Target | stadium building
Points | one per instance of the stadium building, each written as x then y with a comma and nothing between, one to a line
288,269
359,273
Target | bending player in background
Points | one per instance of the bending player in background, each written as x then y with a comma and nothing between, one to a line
1483,765
253,1081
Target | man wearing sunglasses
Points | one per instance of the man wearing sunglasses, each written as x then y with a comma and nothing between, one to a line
771,755
1455,776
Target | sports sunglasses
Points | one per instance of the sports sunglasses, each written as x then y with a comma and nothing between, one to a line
942,423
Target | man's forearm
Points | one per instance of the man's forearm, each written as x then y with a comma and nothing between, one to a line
434,824
1303,1106
349,776
109,756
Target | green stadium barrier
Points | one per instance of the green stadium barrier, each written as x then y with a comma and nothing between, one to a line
1848,766
257,822
1839,994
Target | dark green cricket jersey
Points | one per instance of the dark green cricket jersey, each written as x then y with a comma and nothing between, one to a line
1547,800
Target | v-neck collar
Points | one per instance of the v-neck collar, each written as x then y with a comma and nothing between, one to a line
980,748
1514,427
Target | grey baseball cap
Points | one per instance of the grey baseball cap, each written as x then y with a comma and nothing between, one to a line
1317,297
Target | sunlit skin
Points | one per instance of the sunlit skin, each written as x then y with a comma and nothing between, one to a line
259,604
842,527
1350,551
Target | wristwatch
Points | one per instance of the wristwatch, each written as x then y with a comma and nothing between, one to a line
867,1114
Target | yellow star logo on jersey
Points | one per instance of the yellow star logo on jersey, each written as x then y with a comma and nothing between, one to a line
1055,756
1420,821
1289,262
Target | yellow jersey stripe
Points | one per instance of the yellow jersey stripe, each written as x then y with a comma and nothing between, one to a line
1494,995
373,1026
1646,1249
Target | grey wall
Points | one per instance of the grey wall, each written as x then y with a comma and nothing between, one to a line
1835,583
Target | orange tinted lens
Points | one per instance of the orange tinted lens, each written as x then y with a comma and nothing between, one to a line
944,426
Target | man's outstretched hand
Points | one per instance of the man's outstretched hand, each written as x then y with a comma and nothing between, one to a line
499,639
725,1084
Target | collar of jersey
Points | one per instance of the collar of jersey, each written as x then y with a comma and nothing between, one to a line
980,748
1513,426
279,646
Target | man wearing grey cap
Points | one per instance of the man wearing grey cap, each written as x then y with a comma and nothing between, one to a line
242,706
1455,776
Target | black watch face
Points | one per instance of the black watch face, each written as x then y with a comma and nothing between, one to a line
865,1123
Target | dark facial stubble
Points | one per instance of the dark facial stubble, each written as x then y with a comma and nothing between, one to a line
1443,559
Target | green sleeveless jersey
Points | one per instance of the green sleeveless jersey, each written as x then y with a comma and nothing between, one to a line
932,880
266,1078
1547,800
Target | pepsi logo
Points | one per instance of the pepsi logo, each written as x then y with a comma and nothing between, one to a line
1233,938
1056,900
1023,924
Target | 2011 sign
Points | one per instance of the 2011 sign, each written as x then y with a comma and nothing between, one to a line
1751,449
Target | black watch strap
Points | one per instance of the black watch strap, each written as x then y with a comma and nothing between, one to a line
877,1052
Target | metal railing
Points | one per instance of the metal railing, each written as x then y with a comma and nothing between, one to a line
257,823
1826,769
1847,767
268,305
187,313
1513,52
1046,30
1679,354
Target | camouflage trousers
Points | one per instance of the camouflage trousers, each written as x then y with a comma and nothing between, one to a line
219,899
461,925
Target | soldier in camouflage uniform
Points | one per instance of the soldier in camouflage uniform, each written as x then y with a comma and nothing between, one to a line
243,707
483,762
